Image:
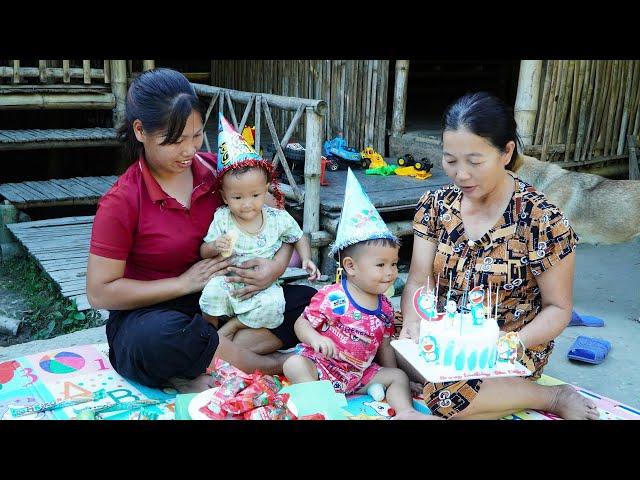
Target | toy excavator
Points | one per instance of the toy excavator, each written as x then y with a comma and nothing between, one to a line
371,159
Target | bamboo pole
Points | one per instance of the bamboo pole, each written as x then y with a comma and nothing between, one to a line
50,101
148,65
66,74
567,94
598,78
42,67
279,152
119,88
49,72
635,94
634,168
625,110
245,115
622,86
578,78
636,124
551,107
232,112
585,100
611,111
602,102
107,72
617,118
257,116
526,106
560,100
278,101
290,130
16,71
381,110
548,74
86,71
400,97
313,151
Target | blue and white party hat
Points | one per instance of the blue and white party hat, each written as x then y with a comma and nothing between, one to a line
360,220
232,148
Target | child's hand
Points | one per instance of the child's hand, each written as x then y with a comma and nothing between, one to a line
324,345
223,243
311,269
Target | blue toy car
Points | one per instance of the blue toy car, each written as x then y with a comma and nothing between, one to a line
337,151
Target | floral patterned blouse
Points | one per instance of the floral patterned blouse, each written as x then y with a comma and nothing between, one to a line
531,236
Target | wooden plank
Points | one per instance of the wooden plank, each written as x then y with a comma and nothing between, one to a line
66,186
11,192
33,192
88,185
79,189
99,183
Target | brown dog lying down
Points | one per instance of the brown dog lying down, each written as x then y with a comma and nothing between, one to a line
600,210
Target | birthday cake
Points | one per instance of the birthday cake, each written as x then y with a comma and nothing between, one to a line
463,342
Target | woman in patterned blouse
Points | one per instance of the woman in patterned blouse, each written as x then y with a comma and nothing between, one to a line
491,227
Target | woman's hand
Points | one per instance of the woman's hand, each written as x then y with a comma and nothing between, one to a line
194,279
410,330
257,274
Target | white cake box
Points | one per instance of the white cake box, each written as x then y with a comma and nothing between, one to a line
409,351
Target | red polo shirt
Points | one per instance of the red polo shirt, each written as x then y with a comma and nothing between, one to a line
138,222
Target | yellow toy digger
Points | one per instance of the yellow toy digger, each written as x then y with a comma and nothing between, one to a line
371,159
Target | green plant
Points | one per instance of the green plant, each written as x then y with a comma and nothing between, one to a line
50,314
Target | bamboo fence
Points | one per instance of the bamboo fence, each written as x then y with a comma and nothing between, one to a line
355,92
587,110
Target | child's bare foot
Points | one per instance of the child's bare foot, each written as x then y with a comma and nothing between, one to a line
570,405
414,415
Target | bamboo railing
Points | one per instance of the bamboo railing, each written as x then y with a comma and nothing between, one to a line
262,104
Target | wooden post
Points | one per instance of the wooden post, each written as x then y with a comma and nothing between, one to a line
526,106
16,71
42,66
119,88
107,71
148,65
400,97
86,70
313,152
66,73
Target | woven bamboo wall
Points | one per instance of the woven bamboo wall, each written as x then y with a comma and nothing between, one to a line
587,108
355,92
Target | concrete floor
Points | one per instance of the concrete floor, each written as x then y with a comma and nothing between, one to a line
607,285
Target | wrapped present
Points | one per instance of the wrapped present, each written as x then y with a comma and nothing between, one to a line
313,416
269,412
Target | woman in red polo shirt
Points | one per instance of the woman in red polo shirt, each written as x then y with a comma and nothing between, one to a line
144,262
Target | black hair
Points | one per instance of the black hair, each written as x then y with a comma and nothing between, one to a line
162,99
355,249
239,171
488,117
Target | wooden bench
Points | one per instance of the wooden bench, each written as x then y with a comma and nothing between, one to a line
61,247
69,191
57,138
